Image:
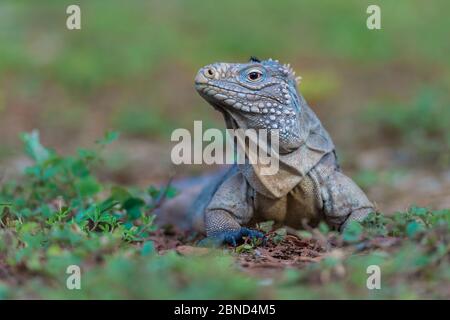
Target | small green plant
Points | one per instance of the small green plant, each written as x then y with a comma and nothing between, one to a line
59,208
411,248
59,214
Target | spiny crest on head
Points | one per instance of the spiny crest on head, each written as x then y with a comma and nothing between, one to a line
291,73
287,70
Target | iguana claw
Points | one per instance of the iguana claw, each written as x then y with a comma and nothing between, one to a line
231,237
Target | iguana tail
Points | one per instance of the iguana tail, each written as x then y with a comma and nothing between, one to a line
186,210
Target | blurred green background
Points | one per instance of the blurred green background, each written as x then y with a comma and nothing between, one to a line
382,94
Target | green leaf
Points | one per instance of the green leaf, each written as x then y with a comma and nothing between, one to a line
153,192
171,192
108,204
244,248
86,154
79,169
418,211
133,207
303,234
109,137
88,186
34,148
266,226
353,231
147,248
279,236
413,228
323,228
4,291
120,194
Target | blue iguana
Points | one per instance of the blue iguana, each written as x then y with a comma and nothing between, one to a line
309,186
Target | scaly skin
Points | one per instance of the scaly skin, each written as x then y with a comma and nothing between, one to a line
308,187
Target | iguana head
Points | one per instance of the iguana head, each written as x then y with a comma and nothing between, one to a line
256,95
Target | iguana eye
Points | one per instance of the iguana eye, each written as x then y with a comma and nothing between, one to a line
209,73
254,75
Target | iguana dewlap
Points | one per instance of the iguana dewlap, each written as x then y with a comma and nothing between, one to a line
308,187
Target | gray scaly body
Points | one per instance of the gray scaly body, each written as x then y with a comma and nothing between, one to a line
309,186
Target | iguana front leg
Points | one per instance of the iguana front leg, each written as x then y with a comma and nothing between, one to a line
222,228
227,211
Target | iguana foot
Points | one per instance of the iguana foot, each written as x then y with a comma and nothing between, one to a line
231,237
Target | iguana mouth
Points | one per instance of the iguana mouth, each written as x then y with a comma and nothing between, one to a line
239,100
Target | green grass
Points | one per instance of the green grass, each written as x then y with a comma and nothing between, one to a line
58,214
419,126
118,42
141,121
135,50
